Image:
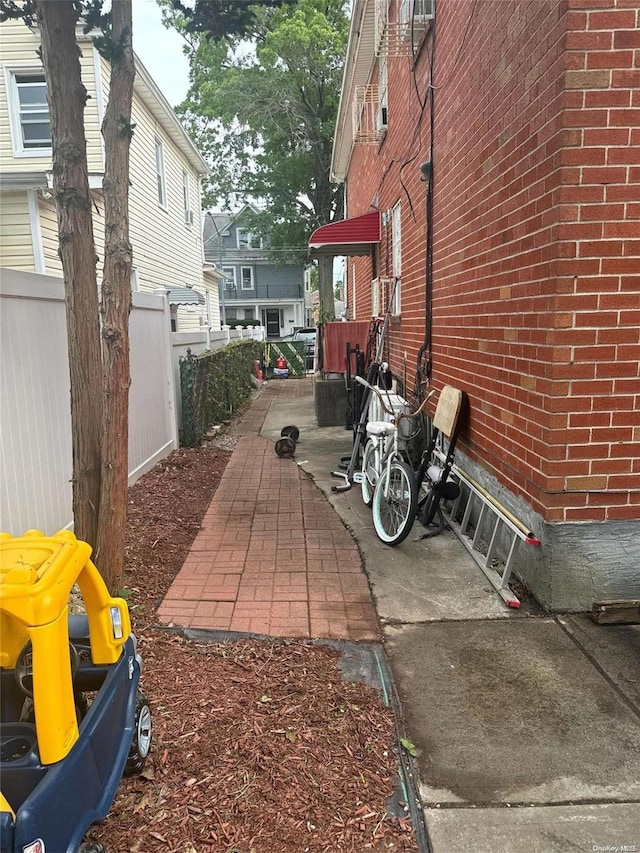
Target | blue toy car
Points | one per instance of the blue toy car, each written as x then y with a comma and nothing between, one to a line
73,718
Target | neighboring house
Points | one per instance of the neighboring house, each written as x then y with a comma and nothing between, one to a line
490,155
255,287
164,198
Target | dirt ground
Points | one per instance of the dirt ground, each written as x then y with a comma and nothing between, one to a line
259,746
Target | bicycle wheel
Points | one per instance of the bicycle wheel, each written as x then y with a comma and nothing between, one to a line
395,500
370,475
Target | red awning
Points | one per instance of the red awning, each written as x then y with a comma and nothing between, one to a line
353,236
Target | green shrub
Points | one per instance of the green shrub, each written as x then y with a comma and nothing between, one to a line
213,385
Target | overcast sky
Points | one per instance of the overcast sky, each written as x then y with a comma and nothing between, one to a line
160,51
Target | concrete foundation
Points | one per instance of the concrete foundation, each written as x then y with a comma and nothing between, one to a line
576,564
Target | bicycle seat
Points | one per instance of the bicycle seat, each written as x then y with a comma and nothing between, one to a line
380,428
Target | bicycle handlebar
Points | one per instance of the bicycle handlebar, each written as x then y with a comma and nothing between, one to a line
397,416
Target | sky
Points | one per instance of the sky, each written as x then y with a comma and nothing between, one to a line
160,51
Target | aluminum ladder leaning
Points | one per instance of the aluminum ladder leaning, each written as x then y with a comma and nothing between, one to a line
506,528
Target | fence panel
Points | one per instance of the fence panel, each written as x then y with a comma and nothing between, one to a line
35,419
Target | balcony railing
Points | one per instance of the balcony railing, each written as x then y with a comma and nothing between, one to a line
265,291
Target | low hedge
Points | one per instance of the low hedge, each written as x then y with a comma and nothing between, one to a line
213,385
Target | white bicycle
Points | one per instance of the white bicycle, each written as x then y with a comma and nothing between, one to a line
387,480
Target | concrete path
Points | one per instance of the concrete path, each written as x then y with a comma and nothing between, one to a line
528,724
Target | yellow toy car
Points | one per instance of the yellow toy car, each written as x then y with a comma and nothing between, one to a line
62,756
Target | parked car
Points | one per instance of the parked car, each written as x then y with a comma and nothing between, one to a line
73,716
308,336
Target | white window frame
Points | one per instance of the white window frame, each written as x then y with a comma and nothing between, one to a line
396,237
242,284
188,213
231,273
161,184
15,113
382,114
250,239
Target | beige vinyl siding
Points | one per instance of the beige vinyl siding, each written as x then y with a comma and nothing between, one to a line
167,251
19,46
49,229
189,318
16,246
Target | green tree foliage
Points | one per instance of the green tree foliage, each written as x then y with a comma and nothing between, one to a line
263,113
221,18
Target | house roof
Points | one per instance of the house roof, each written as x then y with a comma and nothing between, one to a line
353,236
357,70
184,296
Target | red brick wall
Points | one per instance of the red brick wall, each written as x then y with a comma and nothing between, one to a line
536,239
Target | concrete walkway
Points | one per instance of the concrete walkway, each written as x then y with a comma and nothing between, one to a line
272,556
528,723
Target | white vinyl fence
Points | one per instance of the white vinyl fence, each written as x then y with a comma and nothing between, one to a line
35,421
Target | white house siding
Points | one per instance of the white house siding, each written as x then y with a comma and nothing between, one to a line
167,251
19,46
16,247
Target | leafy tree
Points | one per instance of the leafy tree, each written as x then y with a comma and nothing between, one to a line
263,113
221,18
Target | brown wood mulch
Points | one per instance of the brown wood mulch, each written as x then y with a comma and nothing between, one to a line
259,746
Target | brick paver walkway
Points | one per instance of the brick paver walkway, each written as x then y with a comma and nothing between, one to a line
273,557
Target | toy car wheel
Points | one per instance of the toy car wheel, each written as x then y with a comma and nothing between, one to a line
141,743
92,847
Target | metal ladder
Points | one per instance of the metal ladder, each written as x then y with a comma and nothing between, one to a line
493,522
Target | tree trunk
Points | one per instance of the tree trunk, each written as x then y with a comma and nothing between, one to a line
67,97
325,289
116,303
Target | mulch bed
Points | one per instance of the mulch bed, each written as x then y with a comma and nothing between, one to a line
259,746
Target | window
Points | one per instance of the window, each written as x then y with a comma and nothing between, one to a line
381,116
396,236
30,125
188,213
414,17
230,282
375,297
246,276
162,192
247,240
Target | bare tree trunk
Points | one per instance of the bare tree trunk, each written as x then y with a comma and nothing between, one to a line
325,289
67,97
116,303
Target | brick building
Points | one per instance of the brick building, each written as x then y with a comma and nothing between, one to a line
500,142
